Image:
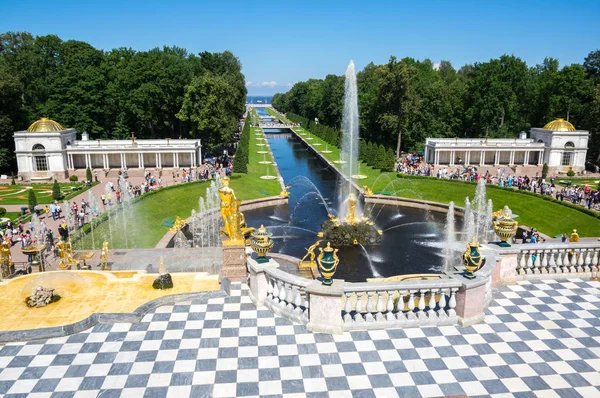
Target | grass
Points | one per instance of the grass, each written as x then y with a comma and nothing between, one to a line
591,181
140,226
548,217
19,194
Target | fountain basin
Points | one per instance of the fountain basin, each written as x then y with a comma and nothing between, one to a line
268,177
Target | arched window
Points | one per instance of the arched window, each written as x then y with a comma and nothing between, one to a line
40,162
567,157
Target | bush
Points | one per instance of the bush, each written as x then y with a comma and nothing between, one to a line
88,174
571,173
240,163
56,194
2,211
73,178
32,200
545,170
12,180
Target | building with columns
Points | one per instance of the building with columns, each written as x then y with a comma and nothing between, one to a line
558,144
47,150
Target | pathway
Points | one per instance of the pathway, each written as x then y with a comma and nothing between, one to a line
538,339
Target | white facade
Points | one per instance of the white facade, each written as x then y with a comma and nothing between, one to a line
560,149
45,155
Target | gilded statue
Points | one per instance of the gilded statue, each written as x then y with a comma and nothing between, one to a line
65,252
234,221
574,236
285,193
310,252
368,191
104,258
351,216
178,224
6,263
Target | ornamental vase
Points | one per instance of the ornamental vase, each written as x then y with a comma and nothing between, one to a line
261,244
472,259
505,227
328,262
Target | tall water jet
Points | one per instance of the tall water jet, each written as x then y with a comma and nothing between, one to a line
349,147
450,240
469,222
488,222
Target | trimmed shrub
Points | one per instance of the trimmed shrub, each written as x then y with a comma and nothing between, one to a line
88,174
12,180
73,178
571,173
56,194
545,170
2,211
32,200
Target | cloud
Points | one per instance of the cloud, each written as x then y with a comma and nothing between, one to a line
248,84
263,84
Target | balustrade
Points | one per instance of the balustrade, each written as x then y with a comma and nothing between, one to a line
554,259
287,296
400,304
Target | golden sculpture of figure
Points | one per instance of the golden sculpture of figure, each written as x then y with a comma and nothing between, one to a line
178,224
351,216
6,263
574,236
368,191
235,222
65,252
285,193
228,200
310,252
104,258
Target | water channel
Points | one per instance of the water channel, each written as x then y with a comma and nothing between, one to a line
412,238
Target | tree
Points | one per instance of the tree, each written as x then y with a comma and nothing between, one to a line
380,161
32,200
56,194
88,175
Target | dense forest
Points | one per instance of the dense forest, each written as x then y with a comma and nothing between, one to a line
404,101
164,92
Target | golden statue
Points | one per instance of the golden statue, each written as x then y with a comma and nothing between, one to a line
351,216
368,191
7,267
310,252
65,252
178,224
574,236
285,193
104,258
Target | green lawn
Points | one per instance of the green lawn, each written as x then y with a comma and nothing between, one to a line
594,182
140,227
19,194
548,217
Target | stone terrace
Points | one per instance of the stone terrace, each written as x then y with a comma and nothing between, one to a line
539,338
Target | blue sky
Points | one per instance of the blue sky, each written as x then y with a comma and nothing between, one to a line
281,42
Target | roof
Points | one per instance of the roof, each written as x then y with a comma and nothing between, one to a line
45,125
559,125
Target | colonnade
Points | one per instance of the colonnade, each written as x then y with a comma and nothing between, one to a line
160,158
435,156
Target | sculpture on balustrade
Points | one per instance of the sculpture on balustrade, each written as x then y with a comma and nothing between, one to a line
234,221
574,236
310,252
505,227
368,191
104,266
285,193
65,252
472,258
261,243
328,262
7,267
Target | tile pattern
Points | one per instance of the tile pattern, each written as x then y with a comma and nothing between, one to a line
539,339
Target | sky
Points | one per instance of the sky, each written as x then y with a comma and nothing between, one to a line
283,42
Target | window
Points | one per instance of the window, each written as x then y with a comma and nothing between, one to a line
570,145
567,158
38,147
41,163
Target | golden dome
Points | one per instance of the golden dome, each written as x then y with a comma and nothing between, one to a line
45,125
559,125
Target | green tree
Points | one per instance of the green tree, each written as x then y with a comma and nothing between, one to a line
380,159
56,194
32,200
88,175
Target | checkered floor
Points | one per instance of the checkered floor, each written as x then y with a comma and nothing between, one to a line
539,339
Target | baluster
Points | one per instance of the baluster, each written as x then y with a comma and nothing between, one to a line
432,304
306,313
559,262
359,305
580,263
369,308
529,268
390,307
567,261
452,302
595,264
544,267
379,316
422,299
282,295
522,263
442,303
411,305
537,262
588,260
269,288
348,308
291,296
552,262
275,292
298,302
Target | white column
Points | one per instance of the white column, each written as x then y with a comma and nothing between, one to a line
174,164
87,160
482,158
467,157
193,159
526,158
141,164
436,157
540,158
511,159
452,156
177,159
123,162
160,160
156,159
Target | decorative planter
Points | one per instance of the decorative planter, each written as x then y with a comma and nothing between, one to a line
472,259
261,243
505,227
328,262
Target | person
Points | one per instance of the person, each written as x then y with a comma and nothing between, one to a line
96,176
63,232
564,237
103,199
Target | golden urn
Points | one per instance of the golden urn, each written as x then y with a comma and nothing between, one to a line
261,243
505,227
328,262
472,258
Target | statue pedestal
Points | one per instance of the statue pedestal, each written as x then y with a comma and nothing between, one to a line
234,261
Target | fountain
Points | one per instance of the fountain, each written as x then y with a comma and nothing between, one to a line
449,247
349,147
265,161
268,176
326,149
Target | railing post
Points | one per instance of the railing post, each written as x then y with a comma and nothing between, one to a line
259,285
470,302
509,267
325,313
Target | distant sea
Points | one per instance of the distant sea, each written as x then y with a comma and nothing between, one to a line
259,99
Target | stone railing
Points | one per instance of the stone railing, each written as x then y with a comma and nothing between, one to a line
548,260
344,306
400,304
